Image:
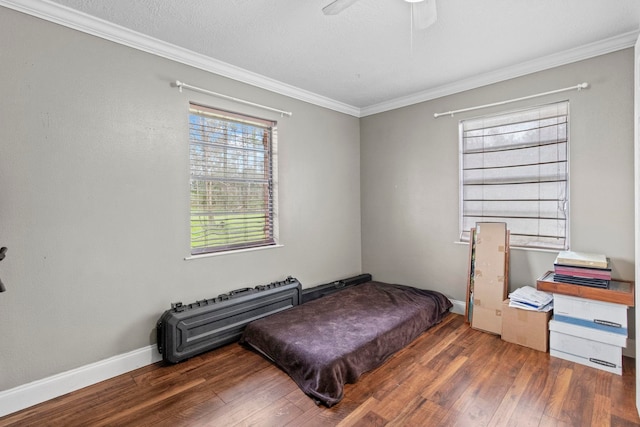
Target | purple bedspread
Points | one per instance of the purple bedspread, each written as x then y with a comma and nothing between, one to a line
328,342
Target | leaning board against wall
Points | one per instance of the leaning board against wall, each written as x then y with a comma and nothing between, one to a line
487,285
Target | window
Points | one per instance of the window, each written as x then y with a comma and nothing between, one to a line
513,169
232,188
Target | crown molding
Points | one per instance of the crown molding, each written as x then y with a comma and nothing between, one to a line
591,50
71,18
85,23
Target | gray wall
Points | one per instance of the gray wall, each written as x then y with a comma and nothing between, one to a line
94,191
409,177
94,197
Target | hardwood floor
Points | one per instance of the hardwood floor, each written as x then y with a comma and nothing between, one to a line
452,375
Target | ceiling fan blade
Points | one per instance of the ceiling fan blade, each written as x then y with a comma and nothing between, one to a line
424,14
337,6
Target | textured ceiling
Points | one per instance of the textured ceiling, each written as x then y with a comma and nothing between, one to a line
367,54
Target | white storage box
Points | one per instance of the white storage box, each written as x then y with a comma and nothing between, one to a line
600,315
588,333
595,354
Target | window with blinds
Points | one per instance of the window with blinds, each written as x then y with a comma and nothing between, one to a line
514,169
232,187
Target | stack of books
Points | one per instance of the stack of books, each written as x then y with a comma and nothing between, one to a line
529,298
579,268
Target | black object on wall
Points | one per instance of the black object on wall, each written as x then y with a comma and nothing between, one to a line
3,250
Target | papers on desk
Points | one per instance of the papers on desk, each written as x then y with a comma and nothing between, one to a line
529,298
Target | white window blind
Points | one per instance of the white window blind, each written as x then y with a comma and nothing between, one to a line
232,186
514,169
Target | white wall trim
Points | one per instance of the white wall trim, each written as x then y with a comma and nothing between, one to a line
77,20
80,21
39,391
458,306
630,349
598,48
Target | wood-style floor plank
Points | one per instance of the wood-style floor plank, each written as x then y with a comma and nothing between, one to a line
452,375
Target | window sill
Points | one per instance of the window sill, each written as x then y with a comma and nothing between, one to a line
237,251
519,248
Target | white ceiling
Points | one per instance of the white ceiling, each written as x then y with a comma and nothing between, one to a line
366,59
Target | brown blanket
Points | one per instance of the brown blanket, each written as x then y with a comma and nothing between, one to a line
326,343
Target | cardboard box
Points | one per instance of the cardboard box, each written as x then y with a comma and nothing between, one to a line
589,333
525,327
489,283
599,315
595,354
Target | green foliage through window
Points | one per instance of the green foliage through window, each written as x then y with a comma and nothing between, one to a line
232,193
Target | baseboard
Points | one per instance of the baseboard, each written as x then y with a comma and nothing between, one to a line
458,306
30,394
630,350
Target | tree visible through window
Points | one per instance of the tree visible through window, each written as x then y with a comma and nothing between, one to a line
232,186
514,169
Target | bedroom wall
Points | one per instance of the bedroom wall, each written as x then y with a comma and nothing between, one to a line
409,178
94,197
